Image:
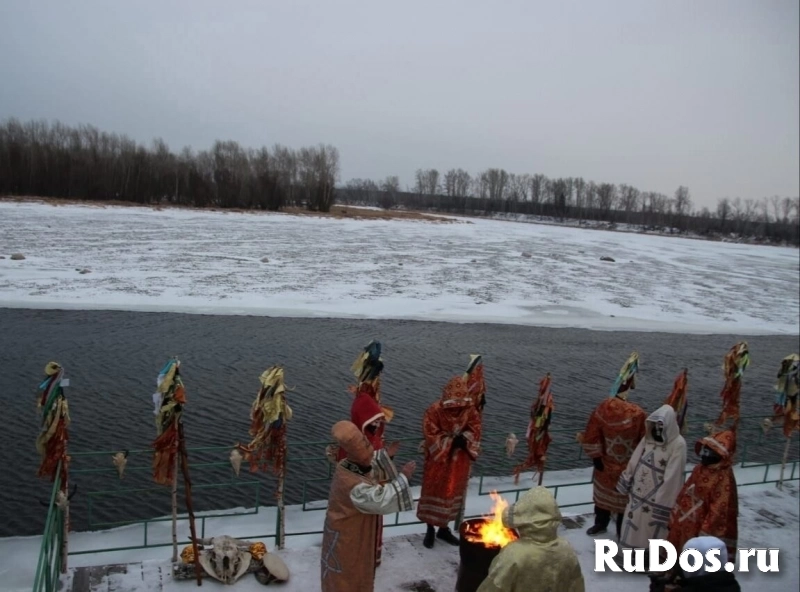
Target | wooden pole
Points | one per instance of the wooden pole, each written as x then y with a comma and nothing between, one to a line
785,458
175,501
541,472
281,513
65,524
187,487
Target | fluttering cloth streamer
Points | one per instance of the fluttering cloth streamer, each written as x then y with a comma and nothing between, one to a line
626,380
169,399
268,416
538,435
677,399
476,384
51,443
367,369
736,361
788,391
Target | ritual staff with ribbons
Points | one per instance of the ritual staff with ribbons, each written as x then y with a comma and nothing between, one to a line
678,400
269,415
614,430
538,436
51,443
785,409
476,383
170,448
735,363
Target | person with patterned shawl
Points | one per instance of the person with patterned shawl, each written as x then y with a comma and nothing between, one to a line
369,417
652,480
615,428
452,430
355,503
708,503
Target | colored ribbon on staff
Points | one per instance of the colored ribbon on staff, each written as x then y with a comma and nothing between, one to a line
735,363
538,436
268,416
169,399
51,443
678,400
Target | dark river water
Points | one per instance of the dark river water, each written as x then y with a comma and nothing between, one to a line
112,359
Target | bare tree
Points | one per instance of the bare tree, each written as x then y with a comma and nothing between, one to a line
683,202
427,182
606,197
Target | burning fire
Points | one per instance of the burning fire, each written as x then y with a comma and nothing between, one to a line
491,531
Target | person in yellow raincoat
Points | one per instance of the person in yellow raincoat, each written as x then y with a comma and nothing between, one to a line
540,560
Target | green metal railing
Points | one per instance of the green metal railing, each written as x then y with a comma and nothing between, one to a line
48,569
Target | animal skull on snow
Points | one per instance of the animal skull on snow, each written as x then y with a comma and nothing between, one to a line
227,560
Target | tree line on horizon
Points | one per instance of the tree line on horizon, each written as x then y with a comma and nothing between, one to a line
495,192
60,161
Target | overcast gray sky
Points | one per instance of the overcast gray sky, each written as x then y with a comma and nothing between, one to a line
650,93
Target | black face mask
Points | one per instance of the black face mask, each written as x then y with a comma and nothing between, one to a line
709,457
658,432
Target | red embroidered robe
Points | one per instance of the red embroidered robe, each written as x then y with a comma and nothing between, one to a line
614,431
446,472
708,503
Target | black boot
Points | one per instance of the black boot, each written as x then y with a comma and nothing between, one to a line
601,519
596,529
447,536
429,537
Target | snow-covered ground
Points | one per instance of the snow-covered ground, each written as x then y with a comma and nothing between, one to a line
473,271
767,518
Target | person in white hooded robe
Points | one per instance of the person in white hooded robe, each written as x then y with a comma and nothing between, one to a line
652,480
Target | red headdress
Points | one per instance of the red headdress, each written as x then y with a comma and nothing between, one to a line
366,411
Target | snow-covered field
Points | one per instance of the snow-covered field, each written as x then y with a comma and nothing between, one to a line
472,271
767,518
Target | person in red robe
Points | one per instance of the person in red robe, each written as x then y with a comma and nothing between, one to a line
613,432
452,431
708,503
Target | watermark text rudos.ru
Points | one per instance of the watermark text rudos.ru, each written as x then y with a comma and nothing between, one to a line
691,560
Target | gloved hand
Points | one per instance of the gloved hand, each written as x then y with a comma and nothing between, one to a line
460,442
598,463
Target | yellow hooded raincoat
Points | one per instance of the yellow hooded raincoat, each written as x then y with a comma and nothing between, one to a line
540,561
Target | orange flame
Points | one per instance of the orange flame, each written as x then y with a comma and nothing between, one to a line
491,531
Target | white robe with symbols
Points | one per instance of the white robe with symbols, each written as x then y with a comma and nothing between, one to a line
652,480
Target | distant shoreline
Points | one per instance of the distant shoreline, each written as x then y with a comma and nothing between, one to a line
341,211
